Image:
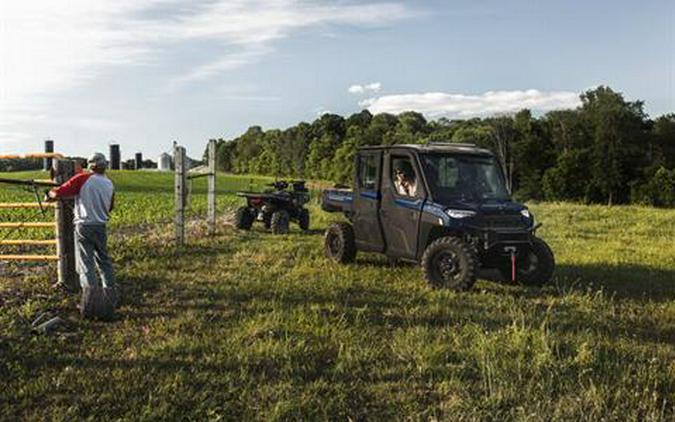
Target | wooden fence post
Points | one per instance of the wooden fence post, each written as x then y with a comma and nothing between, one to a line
65,229
180,194
211,194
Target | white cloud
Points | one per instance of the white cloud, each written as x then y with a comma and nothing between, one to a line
362,89
320,111
53,44
223,64
48,47
11,138
439,104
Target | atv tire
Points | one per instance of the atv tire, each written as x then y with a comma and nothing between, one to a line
535,269
267,220
303,219
279,222
243,219
339,243
449,263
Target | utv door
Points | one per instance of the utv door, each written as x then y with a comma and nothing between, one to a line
402,203
367,228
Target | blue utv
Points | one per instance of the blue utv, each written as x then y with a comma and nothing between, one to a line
444,206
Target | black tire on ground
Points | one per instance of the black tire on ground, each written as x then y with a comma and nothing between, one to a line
303,219
243,219
279,222
535,268
97,303
450,263
339,243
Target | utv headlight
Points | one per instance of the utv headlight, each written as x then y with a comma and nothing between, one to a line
460,213
527,214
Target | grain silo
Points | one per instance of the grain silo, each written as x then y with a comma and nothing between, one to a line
115,157
49,148
164,162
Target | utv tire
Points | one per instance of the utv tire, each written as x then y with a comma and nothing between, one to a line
537,268
279,222
339,243
450,263
267,220
243,219
303,219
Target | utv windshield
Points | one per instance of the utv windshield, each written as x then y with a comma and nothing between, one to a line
464,177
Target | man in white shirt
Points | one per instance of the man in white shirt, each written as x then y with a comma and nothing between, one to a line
94,196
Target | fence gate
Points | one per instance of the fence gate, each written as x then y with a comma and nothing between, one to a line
55,217
10,227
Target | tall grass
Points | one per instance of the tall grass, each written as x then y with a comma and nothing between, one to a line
254,326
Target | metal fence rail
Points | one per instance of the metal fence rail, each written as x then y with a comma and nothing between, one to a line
28,225
63,244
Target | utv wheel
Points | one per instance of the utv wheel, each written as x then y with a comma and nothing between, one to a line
303,219
279,222
536,267
339,243
267,220
243,219
448,262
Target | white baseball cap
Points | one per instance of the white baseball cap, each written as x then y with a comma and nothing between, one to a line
97,160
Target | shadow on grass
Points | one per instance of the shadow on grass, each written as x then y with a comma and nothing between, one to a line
381,261
135,295
624,281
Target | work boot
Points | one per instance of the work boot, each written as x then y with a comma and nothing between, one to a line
96,303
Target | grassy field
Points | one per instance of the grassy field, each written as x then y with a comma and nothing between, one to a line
247,326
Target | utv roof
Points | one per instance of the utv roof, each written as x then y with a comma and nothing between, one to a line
433,147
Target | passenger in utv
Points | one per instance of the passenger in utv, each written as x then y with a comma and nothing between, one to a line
94,197
404,179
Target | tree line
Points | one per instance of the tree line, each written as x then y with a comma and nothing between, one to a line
20,164
607,150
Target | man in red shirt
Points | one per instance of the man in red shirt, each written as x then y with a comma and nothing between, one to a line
94,196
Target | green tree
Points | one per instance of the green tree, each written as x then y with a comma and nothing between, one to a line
606,150
472,133
534,153
225,151
411,128
617,128
247,148
564,182
663,151
659,190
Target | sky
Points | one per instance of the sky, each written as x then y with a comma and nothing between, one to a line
145,73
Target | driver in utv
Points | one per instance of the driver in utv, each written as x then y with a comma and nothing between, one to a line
404,179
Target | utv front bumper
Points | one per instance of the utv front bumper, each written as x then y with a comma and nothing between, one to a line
500,238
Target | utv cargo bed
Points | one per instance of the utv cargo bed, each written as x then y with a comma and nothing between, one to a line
337,200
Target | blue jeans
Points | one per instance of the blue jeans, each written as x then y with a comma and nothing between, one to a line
91,253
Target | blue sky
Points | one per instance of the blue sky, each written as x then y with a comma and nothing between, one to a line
144,73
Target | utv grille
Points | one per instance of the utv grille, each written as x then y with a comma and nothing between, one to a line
514,237
502,222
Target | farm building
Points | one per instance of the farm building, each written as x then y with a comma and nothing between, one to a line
164,162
